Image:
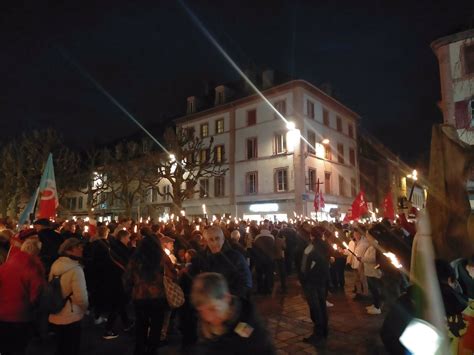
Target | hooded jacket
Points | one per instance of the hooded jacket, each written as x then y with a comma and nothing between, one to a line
73,283
21,282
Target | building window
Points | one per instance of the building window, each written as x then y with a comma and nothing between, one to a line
73,203
280,143
166,193
312,180
281,180
204,156
204,188
219,154
340,153
471,111
188,132
251,148
220,98
342,186
310,108
219,186
312,142
351,130
251,117
251,182
80,203
204,130
325,117
353,187
469,59
280,107
339,124
352,156
154,195
327,152
220,126
191,106
327,182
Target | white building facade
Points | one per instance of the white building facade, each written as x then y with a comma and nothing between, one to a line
272,172
455,55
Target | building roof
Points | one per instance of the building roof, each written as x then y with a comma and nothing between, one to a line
324,97
459,36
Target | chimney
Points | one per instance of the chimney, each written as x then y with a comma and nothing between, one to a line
252,76
268,78
327,88
191,106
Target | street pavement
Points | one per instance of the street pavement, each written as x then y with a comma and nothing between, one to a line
351,330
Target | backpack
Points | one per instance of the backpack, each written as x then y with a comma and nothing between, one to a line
53,298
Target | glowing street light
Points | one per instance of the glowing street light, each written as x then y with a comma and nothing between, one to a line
325,141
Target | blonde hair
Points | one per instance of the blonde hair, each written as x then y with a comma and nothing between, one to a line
31,246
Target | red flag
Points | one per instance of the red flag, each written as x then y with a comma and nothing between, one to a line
318,199
359,206
47,190
388,211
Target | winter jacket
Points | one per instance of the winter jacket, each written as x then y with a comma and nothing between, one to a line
464,279
73,283
315,265
244,333
370,262
21,282
50,242
360,248
264,247
232,265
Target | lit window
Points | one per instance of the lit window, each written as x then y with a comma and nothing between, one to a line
310,108
251,182
281,177
251,148
251,117
219,186
219,154
327,152
220,126
204,130
204,188
204,156
280,143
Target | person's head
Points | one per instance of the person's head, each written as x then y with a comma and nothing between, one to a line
167,243
211,298
123,236
102,232
31,246
215,238
40,224
317,233
235,235
445,272
71,247
5,236
190,254
147,257
70,226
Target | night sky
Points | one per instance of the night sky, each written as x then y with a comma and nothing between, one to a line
151,56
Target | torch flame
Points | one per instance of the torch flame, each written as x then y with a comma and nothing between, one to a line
393,259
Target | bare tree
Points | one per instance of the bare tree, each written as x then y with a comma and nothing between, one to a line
192,158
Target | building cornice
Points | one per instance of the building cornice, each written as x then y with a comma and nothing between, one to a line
456,37
325,99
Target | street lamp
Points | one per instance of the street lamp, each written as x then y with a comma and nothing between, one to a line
325,141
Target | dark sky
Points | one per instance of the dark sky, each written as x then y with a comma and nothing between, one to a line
151,56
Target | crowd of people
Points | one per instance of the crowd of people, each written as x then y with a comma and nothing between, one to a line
117,272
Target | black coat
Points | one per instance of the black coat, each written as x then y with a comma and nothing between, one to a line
245,334
316,268
232,265
50,243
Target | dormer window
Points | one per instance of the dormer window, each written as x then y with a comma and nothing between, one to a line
222,94
191,107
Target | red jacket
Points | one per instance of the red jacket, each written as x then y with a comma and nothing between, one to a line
21,282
